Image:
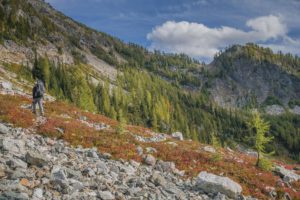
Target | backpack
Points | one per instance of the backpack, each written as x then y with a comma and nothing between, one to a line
39,91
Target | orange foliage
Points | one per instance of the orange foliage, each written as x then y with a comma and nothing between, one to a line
11,112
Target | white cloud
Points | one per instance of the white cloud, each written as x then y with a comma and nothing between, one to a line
200,41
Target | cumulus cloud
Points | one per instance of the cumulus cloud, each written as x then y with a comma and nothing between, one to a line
200,41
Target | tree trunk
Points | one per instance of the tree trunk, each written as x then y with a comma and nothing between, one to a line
258,159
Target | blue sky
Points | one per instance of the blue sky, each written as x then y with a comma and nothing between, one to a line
198,28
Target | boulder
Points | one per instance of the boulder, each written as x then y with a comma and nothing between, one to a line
211,183
139,150
158,179
38,194
12,145
93,154
106,195
34,158
149,160
151,150
177,135
4,129
58,173
16,163
59,179
5,85
287,175
165,166
209,149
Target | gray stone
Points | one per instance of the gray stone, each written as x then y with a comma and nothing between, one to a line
72,173
134,163
149,160
209,149
106,156
287,175
101,167
13,146
88,172
220,196
211,183
58,173
158,179
5,85
16,163
92,154
34,158
38,193
151,150
17,174
76,185
275,110
4,129
177,135
139,150
106,195
14,196
165,166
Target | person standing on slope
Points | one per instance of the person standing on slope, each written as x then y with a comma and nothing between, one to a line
37,95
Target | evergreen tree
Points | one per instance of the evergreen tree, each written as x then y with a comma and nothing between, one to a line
260,128
122,122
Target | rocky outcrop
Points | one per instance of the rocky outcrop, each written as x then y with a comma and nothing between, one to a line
286,175
275,110
211,183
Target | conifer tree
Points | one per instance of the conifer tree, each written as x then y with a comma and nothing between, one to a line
122,122
260,128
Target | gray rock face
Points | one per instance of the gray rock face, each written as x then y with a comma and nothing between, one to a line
287,175
211,183
36,159
177,135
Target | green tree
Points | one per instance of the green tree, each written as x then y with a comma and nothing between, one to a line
122,122
260,128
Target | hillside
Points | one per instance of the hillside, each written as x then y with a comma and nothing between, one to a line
161,91
71,153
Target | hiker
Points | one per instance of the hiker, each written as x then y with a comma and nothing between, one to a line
37,95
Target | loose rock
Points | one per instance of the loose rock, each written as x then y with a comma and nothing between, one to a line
211,183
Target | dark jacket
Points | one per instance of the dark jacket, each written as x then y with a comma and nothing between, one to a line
38,90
